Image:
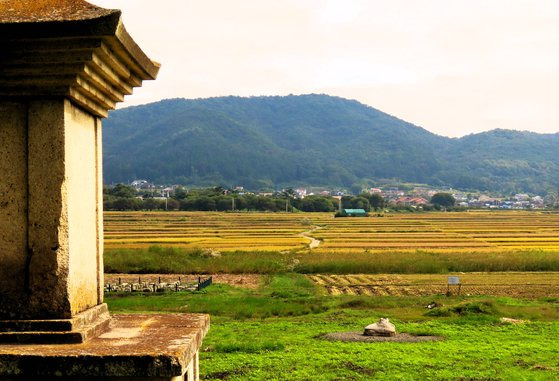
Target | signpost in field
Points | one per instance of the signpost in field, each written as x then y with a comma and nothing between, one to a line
453,281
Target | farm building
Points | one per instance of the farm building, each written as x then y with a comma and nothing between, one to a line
355,212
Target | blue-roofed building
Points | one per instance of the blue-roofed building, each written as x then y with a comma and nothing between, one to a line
355,212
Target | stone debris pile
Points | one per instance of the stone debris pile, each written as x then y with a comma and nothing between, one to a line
156,287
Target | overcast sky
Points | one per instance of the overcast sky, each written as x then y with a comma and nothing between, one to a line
453,67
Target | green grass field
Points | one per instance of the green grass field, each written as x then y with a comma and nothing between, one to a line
275,333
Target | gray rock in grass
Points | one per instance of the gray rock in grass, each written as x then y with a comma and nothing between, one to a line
381,328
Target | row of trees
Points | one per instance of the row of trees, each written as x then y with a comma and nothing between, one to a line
123,197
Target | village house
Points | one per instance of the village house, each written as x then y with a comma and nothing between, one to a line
410,201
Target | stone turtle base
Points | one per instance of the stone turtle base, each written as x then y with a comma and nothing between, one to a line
360,337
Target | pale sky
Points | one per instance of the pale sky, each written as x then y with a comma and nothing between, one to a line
453,67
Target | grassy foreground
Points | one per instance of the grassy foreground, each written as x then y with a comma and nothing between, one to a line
157,259
275,333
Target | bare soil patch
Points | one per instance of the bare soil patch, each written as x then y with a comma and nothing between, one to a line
360,337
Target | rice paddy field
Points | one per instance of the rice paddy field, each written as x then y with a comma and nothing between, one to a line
479,231
511,284
213,230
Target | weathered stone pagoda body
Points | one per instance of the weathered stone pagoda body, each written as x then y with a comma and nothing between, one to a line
63,65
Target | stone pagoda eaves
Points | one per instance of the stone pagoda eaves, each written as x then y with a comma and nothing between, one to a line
69,48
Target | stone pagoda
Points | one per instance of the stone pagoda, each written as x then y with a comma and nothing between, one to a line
63,65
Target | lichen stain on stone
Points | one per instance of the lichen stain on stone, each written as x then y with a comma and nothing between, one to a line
147,323
121,333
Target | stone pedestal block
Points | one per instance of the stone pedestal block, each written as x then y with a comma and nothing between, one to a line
136,347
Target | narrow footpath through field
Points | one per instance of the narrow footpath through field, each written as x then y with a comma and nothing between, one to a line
314,243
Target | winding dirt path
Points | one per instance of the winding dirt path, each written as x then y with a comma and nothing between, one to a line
314,243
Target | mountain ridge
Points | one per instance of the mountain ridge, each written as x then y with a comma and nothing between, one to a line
314,139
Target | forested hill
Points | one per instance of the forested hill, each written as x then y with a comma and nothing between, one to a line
263,142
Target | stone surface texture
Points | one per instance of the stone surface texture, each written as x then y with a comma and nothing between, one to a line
381,328
135,346
51,240
64,64
25,11
81,327
13,201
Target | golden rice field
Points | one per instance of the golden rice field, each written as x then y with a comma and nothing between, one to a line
513,284
215,230
479,231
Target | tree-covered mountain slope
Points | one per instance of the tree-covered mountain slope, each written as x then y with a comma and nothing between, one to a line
312,140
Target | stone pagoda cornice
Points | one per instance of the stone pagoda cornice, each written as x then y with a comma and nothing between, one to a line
69,48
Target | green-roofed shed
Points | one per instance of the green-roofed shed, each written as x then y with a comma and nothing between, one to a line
355,212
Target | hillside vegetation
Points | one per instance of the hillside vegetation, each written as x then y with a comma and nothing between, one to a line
267,142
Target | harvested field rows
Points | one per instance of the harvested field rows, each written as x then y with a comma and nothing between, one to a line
221,231
480,231
517,284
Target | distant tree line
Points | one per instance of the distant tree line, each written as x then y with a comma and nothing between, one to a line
124,197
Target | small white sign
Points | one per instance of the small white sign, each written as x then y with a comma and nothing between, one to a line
453,280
